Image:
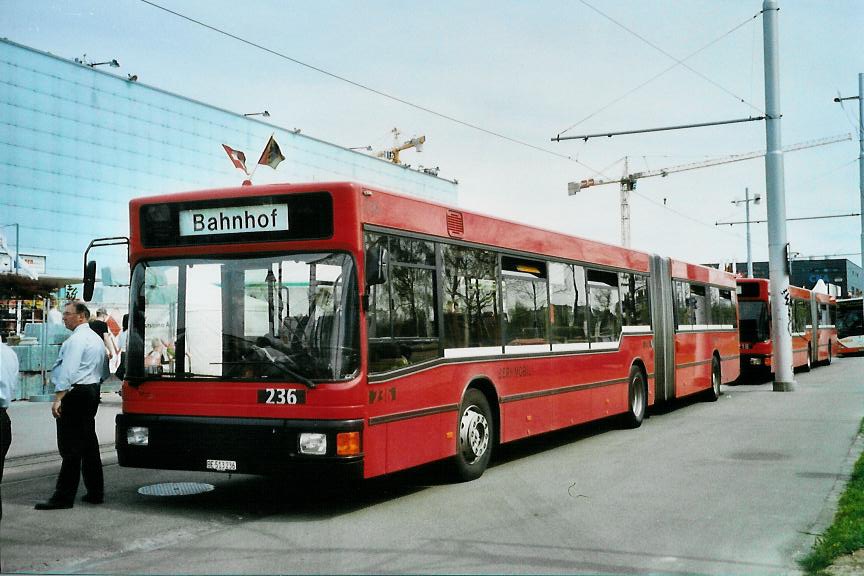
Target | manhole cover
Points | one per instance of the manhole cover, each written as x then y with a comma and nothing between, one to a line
175,489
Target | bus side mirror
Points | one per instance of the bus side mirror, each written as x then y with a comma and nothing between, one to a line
377,260
89,279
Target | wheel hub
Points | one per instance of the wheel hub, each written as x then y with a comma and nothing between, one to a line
473,434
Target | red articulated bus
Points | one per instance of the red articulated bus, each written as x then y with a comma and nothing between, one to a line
343,327
814,337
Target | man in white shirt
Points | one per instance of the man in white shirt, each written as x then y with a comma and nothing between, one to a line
76,376
8,382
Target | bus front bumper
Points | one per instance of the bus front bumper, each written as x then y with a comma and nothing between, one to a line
238,445
755,363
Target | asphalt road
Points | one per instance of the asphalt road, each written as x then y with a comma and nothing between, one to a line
737,486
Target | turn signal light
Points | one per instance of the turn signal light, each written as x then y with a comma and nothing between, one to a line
348,443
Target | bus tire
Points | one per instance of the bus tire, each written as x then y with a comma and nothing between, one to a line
809,364
476,436
637,394
713,393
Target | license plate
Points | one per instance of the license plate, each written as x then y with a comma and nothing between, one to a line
282,396
222,465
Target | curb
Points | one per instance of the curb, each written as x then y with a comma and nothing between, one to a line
45,464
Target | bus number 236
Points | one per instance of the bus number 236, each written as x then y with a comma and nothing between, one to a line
281,396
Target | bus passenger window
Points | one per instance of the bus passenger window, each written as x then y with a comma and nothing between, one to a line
635,303
605,306
470,298
526,308
682,307
403,320
722,307
698,305
569,304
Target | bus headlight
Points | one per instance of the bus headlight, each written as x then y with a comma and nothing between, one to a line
137,436
313,443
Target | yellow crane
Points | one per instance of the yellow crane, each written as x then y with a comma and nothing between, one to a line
392,154
628,179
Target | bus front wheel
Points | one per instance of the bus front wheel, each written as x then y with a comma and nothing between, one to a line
476,436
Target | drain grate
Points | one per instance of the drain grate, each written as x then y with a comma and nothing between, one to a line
175,489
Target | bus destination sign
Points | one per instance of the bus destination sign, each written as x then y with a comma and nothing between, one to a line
233,220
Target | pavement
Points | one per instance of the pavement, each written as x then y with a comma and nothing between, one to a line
34,437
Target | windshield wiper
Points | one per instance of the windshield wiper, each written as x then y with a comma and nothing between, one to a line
282,364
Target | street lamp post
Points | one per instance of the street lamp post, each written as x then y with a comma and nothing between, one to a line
15,264
756,199
860,99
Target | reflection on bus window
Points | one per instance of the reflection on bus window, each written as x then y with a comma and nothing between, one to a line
470,298
403,323
278,318
526,310
604,305
569,303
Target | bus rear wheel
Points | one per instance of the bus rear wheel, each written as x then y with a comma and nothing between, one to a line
713,393
638,398
476,436
809,364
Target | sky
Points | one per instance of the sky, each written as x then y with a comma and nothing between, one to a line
493,82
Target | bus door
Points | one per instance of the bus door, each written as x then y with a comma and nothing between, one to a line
663,319
814,328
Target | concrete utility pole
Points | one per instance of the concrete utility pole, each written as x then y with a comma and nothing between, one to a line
775,197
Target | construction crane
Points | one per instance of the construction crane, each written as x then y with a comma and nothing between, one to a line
628,180
392,154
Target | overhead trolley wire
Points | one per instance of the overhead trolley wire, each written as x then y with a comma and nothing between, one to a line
678,62
371,89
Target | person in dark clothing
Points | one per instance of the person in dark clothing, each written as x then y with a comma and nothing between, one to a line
76,376
100,327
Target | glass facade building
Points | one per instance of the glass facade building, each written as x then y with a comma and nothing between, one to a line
77,143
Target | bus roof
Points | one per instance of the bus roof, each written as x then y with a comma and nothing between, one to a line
399,212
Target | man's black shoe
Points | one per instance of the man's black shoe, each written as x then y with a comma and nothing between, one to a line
90,499
53,505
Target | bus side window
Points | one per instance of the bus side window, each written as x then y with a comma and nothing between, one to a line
635,303
470,298
403,320
568,303
681,303
698,303
526,309
722,307
605,306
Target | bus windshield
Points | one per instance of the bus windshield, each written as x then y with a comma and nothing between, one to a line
850,318
288,318
753,321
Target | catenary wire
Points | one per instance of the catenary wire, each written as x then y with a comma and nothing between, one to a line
678,62
687,217
425,109
373,90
